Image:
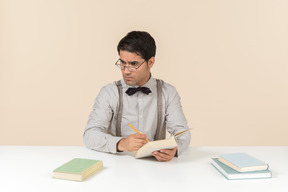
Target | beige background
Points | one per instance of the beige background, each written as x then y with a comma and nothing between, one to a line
228,60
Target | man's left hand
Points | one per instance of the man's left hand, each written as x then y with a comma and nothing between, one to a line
165,154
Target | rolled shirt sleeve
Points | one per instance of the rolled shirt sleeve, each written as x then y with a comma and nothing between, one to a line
96,134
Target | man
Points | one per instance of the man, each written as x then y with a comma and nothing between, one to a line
151,106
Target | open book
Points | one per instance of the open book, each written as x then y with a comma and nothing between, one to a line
147,149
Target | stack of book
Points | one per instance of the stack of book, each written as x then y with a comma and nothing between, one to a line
241,166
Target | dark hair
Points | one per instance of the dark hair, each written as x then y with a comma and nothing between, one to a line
139,42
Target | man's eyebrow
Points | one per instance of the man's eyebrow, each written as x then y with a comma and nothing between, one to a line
122,61
130,62
133,62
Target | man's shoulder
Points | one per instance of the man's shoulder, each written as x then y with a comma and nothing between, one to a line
169,93
167,86
110,88
110,85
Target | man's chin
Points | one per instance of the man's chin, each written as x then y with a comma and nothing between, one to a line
128,82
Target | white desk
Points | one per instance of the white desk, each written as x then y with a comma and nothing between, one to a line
29,168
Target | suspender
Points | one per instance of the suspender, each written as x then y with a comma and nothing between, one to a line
120,109
160,131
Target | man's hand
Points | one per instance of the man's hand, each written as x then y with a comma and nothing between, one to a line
132,142
165,154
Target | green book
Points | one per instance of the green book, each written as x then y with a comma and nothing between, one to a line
78,169
232,174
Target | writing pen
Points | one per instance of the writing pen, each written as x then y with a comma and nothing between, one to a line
136,130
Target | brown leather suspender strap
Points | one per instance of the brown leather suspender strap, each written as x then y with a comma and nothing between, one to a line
120,109
159,109
160,131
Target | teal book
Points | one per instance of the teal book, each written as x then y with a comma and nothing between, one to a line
78,169
242,162
231,174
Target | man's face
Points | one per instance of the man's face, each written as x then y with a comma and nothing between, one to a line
142,74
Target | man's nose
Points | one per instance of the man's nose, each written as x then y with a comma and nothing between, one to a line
126,70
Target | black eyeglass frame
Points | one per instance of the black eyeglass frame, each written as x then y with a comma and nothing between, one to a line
130,68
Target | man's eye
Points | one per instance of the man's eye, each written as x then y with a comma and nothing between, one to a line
133,63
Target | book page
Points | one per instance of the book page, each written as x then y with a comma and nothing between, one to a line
151,146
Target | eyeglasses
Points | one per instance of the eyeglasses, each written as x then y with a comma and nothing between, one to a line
121,64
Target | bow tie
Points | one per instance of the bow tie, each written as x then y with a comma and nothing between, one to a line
132,91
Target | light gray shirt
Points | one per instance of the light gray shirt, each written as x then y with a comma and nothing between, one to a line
140,110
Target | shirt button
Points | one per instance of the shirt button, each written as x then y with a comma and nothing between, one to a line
140,116
139,100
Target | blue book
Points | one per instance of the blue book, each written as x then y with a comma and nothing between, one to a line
242,162
231,174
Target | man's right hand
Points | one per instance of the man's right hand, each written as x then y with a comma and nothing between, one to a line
132,142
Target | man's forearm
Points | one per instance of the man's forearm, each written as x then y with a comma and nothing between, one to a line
99,141
183,142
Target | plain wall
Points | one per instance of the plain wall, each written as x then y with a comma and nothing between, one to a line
227,59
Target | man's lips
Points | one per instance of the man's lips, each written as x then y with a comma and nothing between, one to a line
128,78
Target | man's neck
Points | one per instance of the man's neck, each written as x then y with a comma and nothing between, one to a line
144,82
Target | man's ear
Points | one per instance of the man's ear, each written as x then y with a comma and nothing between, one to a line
151,62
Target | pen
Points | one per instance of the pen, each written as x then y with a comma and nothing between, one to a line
136,130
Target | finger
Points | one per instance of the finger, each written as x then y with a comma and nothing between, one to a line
136,138
170,152
162,159
165,154
141,141
141,136
161,156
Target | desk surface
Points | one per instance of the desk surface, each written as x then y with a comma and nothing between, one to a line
29,168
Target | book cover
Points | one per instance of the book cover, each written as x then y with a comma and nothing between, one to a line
231,174
78,169
147,149
242,162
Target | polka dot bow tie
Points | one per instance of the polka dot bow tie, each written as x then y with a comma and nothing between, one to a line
132,91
